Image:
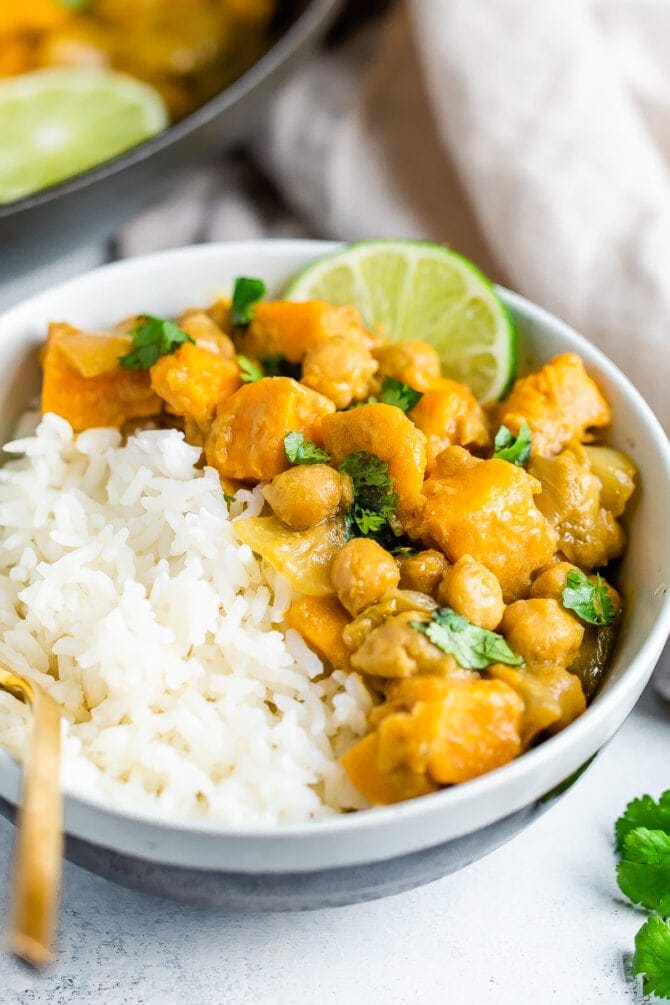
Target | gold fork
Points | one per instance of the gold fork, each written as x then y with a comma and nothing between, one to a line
39,842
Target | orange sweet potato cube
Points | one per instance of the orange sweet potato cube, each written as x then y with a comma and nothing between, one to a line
321,621
246,440
290,329
110,398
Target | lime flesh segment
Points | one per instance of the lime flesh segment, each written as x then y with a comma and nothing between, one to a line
59,122
416,290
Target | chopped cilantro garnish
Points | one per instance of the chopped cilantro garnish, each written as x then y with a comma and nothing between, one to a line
652,957
591,601
472,647
298,450
643,812
643,873
375,500
250,371
246,294
277,365
515,449
394,392
229,499
152,337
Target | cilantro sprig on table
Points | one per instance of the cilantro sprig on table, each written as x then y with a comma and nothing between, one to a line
152,338
246,294
591,601
643,873
473,648
515,449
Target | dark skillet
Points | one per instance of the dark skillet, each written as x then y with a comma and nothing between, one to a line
88,207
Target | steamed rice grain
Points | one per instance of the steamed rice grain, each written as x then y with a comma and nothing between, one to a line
124,593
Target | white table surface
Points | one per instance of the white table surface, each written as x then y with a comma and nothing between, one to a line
537,921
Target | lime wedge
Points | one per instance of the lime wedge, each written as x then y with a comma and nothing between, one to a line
415,290
56,123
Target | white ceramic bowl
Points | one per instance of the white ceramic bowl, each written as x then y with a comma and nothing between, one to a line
379,851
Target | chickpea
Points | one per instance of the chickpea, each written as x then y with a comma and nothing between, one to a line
415,363
552,581
306,495
473,592
423,571
362,573
541,630
340,369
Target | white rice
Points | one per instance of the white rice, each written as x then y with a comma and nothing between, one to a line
125,594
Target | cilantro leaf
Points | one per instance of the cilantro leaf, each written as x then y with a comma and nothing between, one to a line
229,499
395,392
643,812
375,500
301,451
591,601
152,337
250,372
277,365
515,449
472,647
246,294
652,956
643,873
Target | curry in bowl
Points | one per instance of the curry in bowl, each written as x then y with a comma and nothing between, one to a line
366,585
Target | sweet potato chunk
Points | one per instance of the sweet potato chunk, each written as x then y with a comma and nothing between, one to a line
321,621
192,381
472,728
552,697
385,431
110,398
448,414
290,329
486,509
560,402
382,787
246,440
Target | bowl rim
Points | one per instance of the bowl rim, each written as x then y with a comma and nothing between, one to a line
612,706
316,13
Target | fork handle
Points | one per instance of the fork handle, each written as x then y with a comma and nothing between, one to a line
39,841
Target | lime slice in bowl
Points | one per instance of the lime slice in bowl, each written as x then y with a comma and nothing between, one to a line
416,290
56,123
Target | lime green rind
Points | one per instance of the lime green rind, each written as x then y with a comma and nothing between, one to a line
414,289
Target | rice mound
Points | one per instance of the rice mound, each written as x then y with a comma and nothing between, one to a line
125,594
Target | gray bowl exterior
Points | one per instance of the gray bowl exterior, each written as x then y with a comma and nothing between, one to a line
371,854
246,892
89,207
